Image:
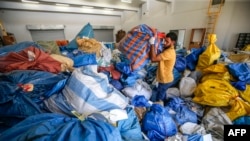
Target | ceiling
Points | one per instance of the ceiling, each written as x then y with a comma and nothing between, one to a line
134,3
97,4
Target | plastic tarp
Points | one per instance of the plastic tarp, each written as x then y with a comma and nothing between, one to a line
106,56
158,123
86,31
140,88
182,112
240,71
123,67
30,58
187,86
18,47
180,63
15,110
89,91
117,84
140,101
130,128
210,55
214,92
111,70
43,82
240,85
193,57
83,60
243,120
17,102
136,46
50,46
55,127
129,80
245,94
214,121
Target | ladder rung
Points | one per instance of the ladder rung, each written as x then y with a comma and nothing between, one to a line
213,16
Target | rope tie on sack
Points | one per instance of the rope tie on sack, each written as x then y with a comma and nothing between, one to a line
233,99
81,117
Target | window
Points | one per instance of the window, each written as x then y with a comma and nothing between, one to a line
215,2
46,32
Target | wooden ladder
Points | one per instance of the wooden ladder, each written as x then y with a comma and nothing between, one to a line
213,13
3,31
6,37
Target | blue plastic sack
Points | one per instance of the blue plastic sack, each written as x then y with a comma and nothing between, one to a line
117,84
81,58
42,81
195,137
18,47
193,57
84,59
86,31
16,103
140,101
130,128
180,63
15,110
155,136
158,121
123,67
240,71
129,80
151,73
183,113
243,120
239,85
177,77
55,127
56,89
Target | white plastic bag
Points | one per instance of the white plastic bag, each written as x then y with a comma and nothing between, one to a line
140,88
187,86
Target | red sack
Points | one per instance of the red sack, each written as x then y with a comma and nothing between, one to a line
30,58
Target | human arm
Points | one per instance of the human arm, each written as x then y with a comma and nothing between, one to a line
153,56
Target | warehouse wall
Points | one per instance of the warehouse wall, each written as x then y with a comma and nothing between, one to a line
188,14
16,21
182,14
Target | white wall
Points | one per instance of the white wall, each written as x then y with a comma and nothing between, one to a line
181,14
16,21
234,20
188,14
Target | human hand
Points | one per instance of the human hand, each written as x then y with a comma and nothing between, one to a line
152,40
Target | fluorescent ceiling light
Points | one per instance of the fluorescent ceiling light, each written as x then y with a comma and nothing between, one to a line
28,1
126,1
167,1
87,7
60,4
110,9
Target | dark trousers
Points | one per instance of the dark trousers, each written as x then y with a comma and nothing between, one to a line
159,93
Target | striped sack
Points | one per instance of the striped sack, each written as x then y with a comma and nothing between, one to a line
89,92
136,45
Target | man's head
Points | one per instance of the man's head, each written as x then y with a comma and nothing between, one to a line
170,39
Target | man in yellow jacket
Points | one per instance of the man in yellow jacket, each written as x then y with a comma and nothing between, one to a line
166,61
